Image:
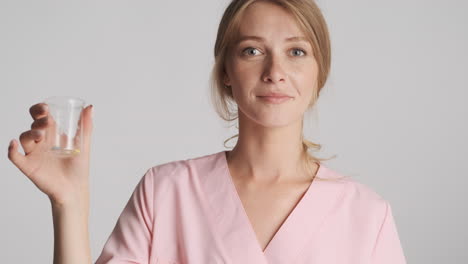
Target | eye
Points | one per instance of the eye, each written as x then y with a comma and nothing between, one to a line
300,50
249,49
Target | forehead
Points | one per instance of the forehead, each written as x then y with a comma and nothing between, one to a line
268,20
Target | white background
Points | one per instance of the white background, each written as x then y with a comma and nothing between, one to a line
394,109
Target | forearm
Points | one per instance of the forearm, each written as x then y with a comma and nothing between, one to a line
71,234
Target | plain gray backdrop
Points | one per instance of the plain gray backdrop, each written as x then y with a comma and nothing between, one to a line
394,110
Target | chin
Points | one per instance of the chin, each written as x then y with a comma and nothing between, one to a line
275,122
272,118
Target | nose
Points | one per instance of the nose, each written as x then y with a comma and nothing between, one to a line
274,71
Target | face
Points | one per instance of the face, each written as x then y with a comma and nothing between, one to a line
271,63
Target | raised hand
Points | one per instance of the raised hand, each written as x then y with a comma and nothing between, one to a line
63,179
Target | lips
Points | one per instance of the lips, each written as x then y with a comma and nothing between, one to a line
284,96
274,99
274,95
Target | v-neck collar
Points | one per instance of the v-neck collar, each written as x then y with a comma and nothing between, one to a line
235,229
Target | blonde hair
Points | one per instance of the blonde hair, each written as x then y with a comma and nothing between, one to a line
311,21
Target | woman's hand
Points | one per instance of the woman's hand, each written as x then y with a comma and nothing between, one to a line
63,180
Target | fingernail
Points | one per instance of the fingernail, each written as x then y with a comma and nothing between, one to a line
11,143
38,133
92,111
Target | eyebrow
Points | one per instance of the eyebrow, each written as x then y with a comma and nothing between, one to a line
257,38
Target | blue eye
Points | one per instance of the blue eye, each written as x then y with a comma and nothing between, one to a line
247,49
300,51
254,49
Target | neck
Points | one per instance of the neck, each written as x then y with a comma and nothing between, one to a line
269,155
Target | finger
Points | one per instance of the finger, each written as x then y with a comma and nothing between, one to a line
48,125
17,158
85,129
29,140
40,123
51,131
39,110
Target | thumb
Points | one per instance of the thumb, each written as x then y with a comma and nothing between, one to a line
87,121
17,158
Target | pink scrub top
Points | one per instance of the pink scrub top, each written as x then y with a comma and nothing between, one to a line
188,211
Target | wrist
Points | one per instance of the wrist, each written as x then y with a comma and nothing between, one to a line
70,203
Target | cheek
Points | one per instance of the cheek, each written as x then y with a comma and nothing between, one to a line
245,77
306,81
245,72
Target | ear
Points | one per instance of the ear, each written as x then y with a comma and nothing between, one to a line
226,79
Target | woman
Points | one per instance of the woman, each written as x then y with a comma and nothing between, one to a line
266,201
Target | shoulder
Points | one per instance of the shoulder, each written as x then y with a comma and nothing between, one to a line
359,203
353,188
182,169
357,196
362,192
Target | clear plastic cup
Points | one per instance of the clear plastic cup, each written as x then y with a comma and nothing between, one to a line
65,133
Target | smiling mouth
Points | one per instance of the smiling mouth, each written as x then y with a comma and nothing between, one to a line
274,99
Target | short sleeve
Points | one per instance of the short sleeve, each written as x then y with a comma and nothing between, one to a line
130,240
388,249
